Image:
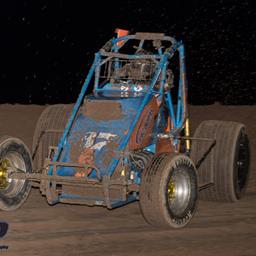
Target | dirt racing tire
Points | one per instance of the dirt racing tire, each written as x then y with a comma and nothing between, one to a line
54,117
227,165
168,191
13,192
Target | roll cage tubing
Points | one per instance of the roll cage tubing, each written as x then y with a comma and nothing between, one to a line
110,50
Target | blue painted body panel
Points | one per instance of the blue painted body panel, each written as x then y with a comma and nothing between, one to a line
84,126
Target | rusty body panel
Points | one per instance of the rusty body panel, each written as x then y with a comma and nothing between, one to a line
142,135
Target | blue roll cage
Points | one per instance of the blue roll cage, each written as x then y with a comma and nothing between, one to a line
111,50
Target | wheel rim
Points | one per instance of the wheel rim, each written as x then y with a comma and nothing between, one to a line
242,163
8,186
178,191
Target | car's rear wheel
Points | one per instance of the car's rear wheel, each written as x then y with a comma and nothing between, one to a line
49,129
227,165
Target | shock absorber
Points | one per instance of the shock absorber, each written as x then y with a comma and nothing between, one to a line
187,134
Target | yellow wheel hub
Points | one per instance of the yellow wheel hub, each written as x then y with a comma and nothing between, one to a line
171,189
4,165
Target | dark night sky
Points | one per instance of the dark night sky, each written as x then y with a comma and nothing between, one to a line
47,46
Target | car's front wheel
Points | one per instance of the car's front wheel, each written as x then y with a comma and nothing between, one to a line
168,192
14,157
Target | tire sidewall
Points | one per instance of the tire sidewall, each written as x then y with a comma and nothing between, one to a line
240,191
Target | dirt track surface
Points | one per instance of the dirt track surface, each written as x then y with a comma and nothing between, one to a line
217,228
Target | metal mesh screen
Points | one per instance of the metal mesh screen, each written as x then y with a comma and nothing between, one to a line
128,70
